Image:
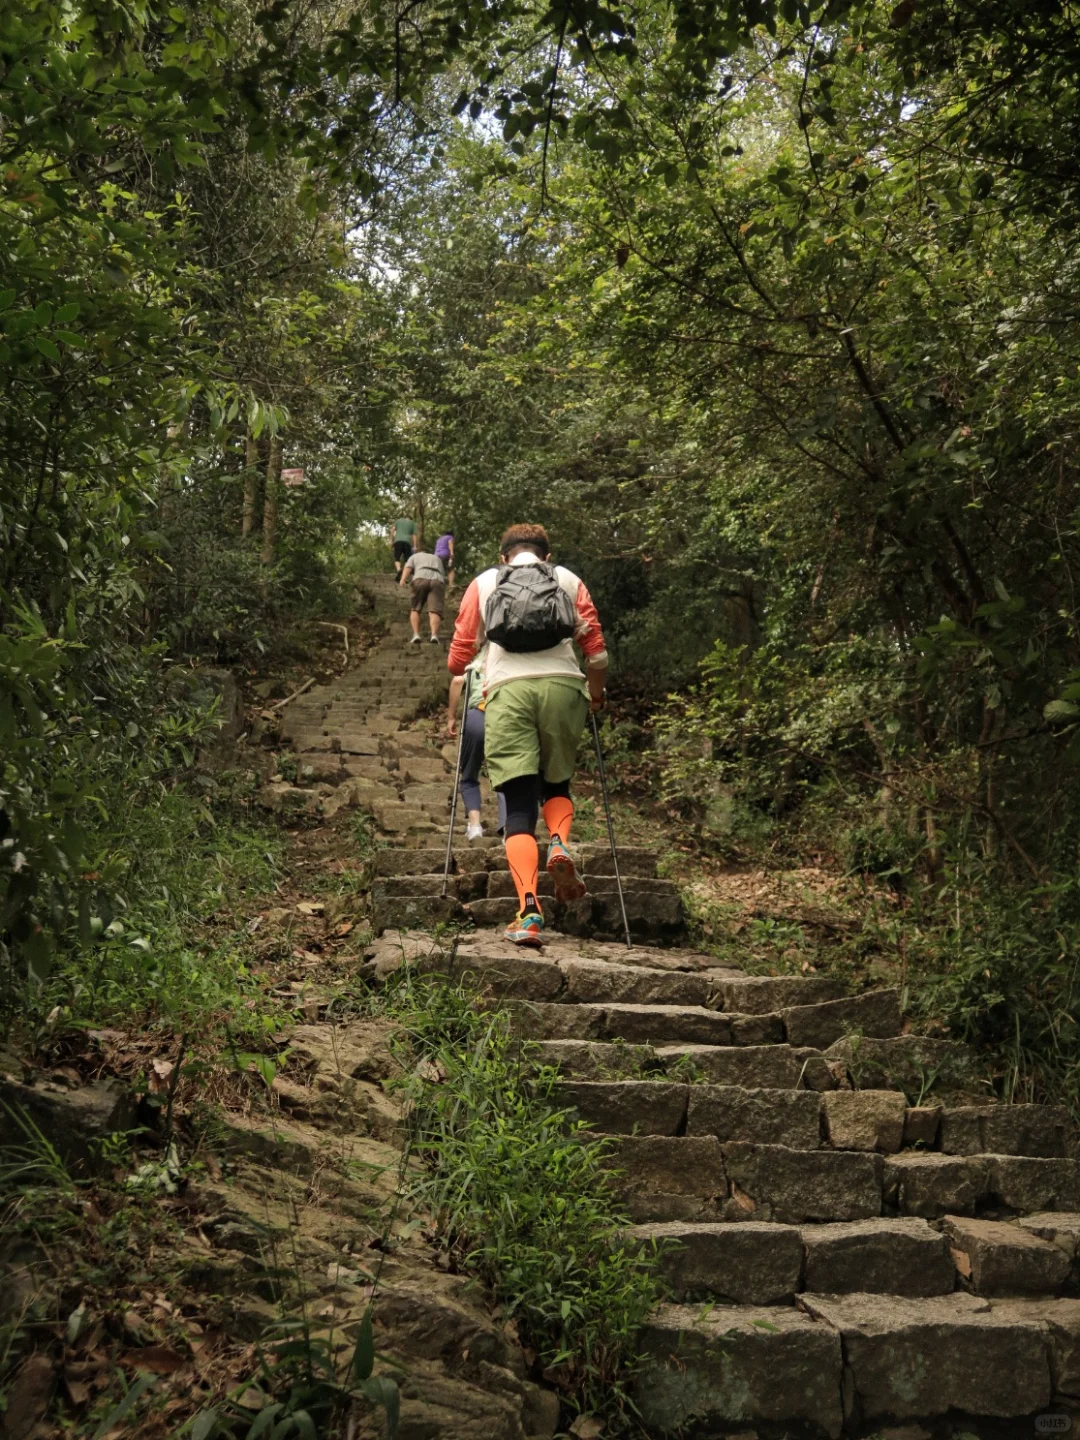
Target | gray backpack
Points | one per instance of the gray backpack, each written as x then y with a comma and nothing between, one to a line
529,610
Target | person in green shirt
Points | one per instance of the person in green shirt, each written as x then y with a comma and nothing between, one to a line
406,536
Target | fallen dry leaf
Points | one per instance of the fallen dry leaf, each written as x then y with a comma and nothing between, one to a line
587,1427
310,907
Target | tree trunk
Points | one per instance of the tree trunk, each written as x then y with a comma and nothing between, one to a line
270,503
251,484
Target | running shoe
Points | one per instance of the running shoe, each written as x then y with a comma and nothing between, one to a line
434,639
474,832
526,929
414,639
560,866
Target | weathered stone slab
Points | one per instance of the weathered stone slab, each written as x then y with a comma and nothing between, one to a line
865,1119
600,982
883,1256
425,770
771,1366
73,1121
1060,1320
771,1182
512,975
634,860
931,1185
666,1178
661,1024
559,1022
319,765
592,1060
767,1117
910,1358
413,913
1002,1259
1060,1228
756,1029
875,1014
356,741
627,1107
921,1125
1025,1184
749,1263
1039,1130
423,860
901,1063
775,1067
765,994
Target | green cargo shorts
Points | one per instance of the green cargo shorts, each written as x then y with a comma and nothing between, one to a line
532,727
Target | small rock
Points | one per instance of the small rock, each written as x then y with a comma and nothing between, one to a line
29,1396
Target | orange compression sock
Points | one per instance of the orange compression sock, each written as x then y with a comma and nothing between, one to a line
558,815
524,861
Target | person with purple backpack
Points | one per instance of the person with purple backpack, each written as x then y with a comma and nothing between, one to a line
444,549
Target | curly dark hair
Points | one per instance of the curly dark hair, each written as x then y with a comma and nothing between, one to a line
534,536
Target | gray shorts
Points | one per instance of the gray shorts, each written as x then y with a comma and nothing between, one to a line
433,591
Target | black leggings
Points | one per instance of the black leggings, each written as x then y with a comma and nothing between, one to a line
524,796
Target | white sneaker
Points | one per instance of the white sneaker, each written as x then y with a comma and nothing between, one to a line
414,639
474,832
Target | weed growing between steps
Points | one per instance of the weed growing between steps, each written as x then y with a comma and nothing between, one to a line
519,1196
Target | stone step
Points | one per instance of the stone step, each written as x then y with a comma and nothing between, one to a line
653,919
646,1024
694,1025
895,1256
516,974
754,1262
593,860
701,1177
656,1107
841,1363
751,1066
934,1185
997,1258
909,1358
915,1064
711,1373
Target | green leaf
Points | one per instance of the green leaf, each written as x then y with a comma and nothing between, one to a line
1061,710
48,349
69,337
363,1361
6,297
263,1421
381,1390
67,312
204,1424
128,1403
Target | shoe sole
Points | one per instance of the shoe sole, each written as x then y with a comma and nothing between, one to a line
568,884
534,940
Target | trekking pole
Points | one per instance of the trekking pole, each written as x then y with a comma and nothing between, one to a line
610,827
457,779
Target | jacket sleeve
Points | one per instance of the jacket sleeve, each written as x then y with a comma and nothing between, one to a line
587,632
466,641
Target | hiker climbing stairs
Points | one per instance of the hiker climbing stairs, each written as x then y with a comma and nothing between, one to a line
851,1235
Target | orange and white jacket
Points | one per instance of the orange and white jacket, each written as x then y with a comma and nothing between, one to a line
504,665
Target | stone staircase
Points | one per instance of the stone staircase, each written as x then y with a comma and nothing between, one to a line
855,1243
